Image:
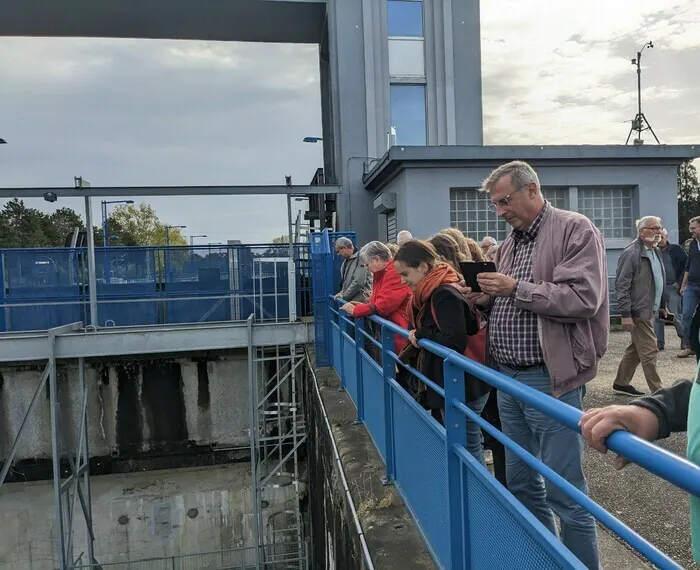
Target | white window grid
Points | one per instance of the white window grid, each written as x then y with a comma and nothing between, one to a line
470,211
609,208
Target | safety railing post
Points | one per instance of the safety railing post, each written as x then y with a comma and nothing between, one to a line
388,373
456,431
359,343
342,326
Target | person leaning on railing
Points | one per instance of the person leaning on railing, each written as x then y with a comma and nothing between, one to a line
389,297
439,313
356,281
654,417
548,328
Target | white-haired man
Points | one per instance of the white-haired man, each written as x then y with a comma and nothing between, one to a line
356,281
402,237
548,329
639,284
487,243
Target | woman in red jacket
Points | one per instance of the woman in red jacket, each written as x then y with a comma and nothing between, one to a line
390,296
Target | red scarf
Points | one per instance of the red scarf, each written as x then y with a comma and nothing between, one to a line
441,274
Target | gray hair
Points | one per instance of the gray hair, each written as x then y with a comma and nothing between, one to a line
403,236
343,242
521,174
642,222
490,240
375,249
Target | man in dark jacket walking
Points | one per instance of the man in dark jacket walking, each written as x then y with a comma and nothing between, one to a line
674,259
639,284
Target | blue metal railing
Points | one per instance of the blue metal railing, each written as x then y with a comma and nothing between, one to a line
460,510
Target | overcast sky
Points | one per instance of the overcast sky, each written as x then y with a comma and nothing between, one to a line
141,112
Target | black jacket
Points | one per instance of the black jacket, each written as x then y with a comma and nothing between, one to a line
679,259
670,406
456,323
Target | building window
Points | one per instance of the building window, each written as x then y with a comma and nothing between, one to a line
391,226
470,212
405,18
406,58
558,196
609,208
408,115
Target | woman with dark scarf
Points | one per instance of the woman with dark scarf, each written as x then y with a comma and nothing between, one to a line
438,312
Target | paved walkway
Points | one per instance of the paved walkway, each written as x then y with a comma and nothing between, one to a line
655,509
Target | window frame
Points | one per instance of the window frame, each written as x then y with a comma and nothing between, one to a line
392,123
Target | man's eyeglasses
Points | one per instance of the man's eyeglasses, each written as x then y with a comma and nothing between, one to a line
503,202
653,228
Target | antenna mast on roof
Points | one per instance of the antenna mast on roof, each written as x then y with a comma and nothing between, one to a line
640,123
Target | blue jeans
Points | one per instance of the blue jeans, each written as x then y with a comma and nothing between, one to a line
475,439
560,449
691,296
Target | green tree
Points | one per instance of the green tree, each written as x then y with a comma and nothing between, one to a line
141,226
688,197
281,239
22,226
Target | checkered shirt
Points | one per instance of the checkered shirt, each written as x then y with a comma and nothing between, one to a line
513,334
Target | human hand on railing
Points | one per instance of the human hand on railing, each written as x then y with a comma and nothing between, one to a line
349,308
338,296
471,296
597,424
412,338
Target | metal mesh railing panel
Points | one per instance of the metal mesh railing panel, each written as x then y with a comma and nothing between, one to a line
422,476
373,399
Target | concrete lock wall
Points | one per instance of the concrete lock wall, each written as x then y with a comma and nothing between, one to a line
140,515
135,407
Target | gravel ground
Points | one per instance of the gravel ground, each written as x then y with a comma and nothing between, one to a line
655,509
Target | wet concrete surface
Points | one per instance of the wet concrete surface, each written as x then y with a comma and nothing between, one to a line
655,509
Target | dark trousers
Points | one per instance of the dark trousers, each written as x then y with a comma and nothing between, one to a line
491,415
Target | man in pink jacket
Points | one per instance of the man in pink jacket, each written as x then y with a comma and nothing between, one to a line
548,329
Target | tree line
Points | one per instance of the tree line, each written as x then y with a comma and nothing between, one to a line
128,225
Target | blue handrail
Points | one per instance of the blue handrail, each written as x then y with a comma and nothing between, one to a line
669,466
675,469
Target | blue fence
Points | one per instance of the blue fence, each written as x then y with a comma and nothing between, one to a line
459,508
44,288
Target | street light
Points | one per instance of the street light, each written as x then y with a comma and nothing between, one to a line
196,236
106,235
3,141
313,140
167,233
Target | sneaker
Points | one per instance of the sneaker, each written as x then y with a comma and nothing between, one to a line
685,353
626,390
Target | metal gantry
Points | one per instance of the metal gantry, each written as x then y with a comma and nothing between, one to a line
76,487
278,430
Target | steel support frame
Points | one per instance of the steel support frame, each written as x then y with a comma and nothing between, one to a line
76,487
278,430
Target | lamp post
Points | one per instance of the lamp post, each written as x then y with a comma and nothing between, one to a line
3,141
167,233
322,198
81,183
196,236
105,218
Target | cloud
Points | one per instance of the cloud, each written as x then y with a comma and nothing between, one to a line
560,72
139,112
